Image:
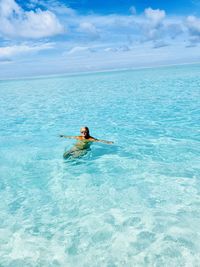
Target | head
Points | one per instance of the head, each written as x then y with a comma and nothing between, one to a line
85,132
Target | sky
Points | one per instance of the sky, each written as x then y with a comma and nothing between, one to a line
44,37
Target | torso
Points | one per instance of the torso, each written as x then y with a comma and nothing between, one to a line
84,143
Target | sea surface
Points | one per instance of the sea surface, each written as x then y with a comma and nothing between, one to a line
133,203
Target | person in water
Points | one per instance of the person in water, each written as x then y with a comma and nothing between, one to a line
83,143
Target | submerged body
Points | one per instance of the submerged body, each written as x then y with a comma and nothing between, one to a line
83,144
78,150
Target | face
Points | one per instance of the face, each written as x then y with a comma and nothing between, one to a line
84,132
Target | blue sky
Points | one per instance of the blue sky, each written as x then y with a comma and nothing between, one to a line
41,37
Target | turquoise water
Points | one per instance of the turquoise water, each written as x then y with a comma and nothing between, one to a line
134,203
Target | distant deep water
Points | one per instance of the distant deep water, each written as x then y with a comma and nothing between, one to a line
134,203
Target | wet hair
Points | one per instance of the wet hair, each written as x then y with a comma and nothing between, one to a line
86,128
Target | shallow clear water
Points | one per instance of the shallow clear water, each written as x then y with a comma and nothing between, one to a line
134,203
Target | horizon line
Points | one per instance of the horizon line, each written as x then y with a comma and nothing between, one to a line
82,73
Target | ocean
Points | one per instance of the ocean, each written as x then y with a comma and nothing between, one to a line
133,203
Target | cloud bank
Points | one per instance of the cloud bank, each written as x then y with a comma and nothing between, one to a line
9,52
16,22
50,30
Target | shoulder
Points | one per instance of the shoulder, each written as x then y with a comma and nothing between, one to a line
93,139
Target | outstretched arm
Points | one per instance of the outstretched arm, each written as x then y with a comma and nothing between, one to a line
70,137
102,141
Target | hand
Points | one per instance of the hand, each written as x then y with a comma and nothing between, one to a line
110,142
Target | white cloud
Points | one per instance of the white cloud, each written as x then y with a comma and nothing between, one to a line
123,48
160,44
150,26
193,27
158,28
193,24
194,41
156,16
78,49
8,52
62,10
53,5
16,22
110,49
89,29
8,8
174,29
